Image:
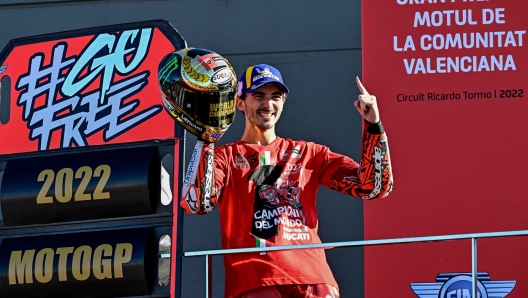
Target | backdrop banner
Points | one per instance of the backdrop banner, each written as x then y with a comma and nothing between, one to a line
451,78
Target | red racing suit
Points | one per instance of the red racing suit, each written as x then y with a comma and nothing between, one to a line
267,197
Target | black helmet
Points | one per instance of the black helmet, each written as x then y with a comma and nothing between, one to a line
199,88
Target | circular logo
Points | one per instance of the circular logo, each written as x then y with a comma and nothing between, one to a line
461,286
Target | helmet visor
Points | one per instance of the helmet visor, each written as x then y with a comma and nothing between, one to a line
213,109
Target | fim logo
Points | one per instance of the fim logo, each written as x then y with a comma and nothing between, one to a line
459,285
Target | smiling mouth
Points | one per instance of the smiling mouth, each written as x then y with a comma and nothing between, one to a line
266,114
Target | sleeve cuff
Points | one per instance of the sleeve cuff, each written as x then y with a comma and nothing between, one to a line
374,128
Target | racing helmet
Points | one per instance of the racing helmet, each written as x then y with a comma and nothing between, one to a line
199,90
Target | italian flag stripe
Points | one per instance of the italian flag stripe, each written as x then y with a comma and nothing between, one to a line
266,158
261,243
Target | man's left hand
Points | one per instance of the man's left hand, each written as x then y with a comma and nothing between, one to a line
366,104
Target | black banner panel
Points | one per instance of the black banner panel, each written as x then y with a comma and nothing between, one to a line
93,185
94,264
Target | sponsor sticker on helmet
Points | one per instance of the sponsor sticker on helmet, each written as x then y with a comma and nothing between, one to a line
191,124
205,71
222,76
167,104
211,61
213,136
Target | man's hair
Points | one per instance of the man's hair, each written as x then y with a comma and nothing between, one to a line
243,97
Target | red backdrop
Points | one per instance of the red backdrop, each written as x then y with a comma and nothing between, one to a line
455,112
140,97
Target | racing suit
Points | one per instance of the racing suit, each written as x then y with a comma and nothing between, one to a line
267,197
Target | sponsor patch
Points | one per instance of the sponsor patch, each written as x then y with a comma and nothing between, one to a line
296,152
377,157
241,162
265,73
207,181
252,160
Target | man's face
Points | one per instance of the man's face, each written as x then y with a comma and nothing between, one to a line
263,107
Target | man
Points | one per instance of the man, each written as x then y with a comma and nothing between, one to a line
265,187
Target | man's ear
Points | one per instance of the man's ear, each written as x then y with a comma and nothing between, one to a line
240,104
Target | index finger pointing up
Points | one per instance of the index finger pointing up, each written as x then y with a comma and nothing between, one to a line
361,88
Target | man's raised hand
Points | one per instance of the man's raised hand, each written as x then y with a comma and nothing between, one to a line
366,104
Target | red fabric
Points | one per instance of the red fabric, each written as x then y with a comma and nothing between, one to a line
255,197
297,291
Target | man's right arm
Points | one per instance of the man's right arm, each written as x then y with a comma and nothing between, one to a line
199,193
